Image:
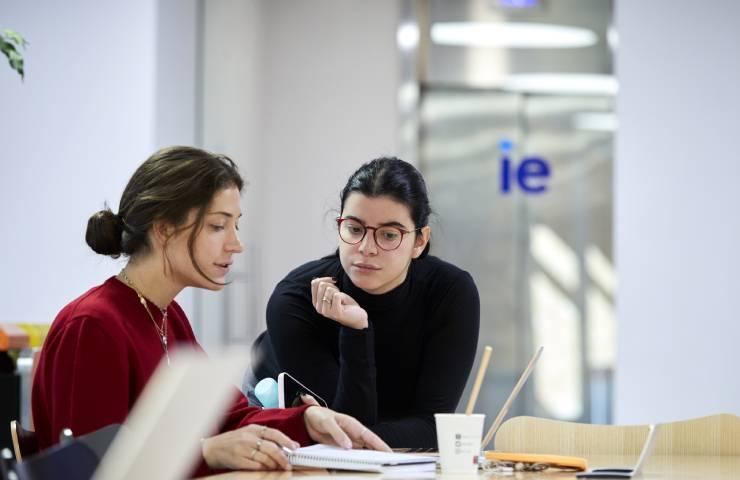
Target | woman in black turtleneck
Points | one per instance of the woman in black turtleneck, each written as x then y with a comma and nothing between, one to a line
380,330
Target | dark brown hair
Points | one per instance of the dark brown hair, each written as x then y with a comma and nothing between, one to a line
392,177
166,187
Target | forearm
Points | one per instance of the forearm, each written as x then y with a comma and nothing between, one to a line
356,392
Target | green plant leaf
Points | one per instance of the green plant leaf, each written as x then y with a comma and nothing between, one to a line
6,46
9,37
15,37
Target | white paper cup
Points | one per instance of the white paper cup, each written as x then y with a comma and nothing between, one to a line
458,441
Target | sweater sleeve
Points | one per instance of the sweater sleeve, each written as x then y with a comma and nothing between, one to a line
83,383
287,420
303,349
448,355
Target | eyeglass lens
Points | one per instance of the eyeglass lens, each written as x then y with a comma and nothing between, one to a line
387,238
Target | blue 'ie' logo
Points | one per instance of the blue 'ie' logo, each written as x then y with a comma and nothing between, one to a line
531,175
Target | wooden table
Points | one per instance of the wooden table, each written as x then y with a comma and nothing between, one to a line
659,467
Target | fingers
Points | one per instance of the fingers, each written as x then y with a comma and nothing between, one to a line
314,287
272,456
374,442
326,298
345,431
263,457
244,449
360,434
261,448
334,309
277,437
249,464
325,293
332,428
309,400
323,428
274,440
331,304
315,284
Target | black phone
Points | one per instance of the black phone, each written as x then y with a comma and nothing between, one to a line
290,391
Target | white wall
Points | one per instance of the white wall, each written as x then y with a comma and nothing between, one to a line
331,75
98,99
230,113
301,93
677,226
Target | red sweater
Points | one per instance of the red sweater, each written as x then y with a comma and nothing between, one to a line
98,356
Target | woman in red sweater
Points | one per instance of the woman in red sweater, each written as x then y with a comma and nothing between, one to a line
177,223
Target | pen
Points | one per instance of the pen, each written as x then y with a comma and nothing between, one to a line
287,451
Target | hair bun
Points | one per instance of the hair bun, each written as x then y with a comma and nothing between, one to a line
103,235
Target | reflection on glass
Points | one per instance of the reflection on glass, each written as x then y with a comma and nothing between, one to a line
601,270
555,256
601,331
542,263
556,324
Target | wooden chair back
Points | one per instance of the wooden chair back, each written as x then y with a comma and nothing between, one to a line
716,435
25,442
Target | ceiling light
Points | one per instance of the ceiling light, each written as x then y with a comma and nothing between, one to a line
511,35
407,36
519,3
595,122
612,37
561,83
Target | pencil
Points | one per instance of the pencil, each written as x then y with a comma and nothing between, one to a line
479,379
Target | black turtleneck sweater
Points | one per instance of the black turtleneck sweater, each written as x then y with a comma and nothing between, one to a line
411,362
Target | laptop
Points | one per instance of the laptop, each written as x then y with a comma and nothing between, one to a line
512,396
647,450
181,404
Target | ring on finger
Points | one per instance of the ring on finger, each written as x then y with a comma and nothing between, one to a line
258,445
254,452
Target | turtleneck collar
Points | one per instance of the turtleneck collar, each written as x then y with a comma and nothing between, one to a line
383,301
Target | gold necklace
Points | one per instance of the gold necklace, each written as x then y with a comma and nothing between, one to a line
161,331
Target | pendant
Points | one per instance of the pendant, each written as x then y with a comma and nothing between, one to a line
164,346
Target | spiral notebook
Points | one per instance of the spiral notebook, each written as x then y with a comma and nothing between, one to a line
325,456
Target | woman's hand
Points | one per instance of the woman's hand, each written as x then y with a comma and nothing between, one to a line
338,306
309,400
254,447
328,426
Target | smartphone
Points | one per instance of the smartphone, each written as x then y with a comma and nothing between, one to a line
290,391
